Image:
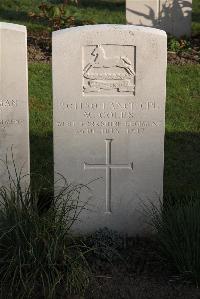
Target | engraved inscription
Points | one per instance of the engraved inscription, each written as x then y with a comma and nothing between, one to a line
108,166
132,106
109,117
107,73
8,103
10,122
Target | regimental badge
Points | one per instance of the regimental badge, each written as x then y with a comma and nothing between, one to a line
109,70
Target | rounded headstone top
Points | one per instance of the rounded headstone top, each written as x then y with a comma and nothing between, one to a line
103,27
11,26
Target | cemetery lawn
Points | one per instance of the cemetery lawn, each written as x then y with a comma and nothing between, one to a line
41,115
182,144
196,16
98,11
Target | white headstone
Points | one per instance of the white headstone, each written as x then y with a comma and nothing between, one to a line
109,119
173,16
14,126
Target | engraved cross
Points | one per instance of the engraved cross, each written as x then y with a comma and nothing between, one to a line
108,166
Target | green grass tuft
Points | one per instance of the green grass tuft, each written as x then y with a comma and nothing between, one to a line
38,254
177,226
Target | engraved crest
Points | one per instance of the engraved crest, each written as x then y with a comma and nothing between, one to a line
109,69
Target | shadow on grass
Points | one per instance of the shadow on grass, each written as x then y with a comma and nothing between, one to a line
100,4
196,17
196,11
113,5
182,163
41,152
19,17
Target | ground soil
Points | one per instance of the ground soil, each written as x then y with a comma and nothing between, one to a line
123,286
39,47
139,273
39,50
189,56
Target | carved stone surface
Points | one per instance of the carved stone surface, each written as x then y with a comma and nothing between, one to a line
109,120
173,16
108,74
14,121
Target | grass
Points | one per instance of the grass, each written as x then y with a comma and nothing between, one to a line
182,163
17,12
100,11
103,11
196,16
40,102
39,256
177,227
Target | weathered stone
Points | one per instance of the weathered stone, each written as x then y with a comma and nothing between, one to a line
14,127
109,120
173,16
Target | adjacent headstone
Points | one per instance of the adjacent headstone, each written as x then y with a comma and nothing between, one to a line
173,16
109,120
14,126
